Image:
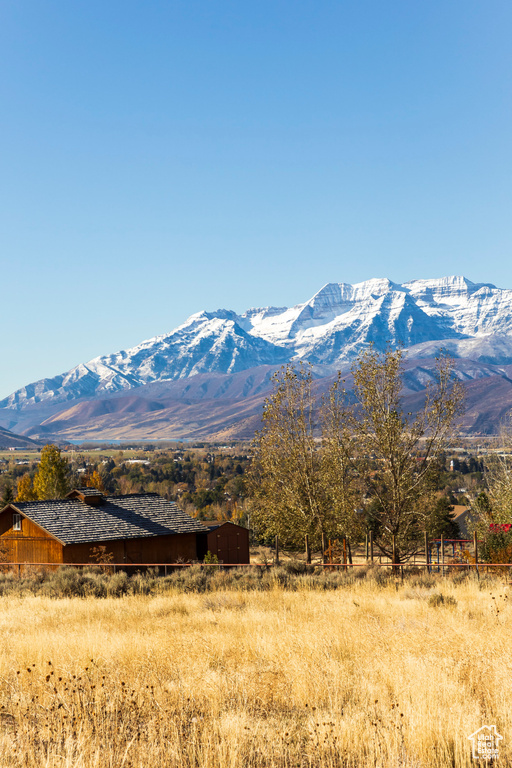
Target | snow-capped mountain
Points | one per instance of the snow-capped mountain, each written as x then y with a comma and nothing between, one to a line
331,329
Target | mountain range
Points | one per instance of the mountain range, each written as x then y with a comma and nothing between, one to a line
208,377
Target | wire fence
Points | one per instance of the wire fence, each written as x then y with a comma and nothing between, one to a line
335,554
165,569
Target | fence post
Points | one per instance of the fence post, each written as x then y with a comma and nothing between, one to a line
349,550
345,553
442,554
324,547
475,544
394,554
277,551
371,547
426,552
308,551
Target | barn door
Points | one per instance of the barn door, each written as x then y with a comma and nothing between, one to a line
228,547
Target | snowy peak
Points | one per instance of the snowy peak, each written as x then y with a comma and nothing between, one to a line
206,342
373,288
446,290
334,297
331,328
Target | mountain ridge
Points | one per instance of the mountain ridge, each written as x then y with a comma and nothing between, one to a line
469,320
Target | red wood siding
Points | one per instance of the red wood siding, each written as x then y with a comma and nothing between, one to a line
158,549
31,544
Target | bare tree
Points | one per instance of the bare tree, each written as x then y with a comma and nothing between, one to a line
340,475
397,454
286,481
495,504
315,469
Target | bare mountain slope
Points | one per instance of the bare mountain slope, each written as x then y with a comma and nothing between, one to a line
10,440
223,407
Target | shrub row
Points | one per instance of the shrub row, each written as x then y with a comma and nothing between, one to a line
97,581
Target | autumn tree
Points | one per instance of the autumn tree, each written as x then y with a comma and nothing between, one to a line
25,489
286,482
52,478
358,459
397,454
340,477
95,481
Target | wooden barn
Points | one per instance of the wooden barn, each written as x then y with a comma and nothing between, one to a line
228,541
136,528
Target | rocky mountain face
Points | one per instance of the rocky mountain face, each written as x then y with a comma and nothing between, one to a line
471,321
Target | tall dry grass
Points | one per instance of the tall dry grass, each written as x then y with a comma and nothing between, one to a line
365,675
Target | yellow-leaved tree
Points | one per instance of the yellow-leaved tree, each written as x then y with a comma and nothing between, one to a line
95,481
25,489
52,478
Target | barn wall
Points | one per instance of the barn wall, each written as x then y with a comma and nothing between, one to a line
230,543
158,549
31,544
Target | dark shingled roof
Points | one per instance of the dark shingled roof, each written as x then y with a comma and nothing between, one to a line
134,516
212,525
87,491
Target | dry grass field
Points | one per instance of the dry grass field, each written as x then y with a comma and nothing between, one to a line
364,675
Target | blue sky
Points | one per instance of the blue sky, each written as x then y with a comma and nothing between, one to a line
162,157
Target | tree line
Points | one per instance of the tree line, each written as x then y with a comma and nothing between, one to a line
353,461
207,483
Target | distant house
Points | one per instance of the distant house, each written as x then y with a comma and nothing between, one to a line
136,528
228,541
462,516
